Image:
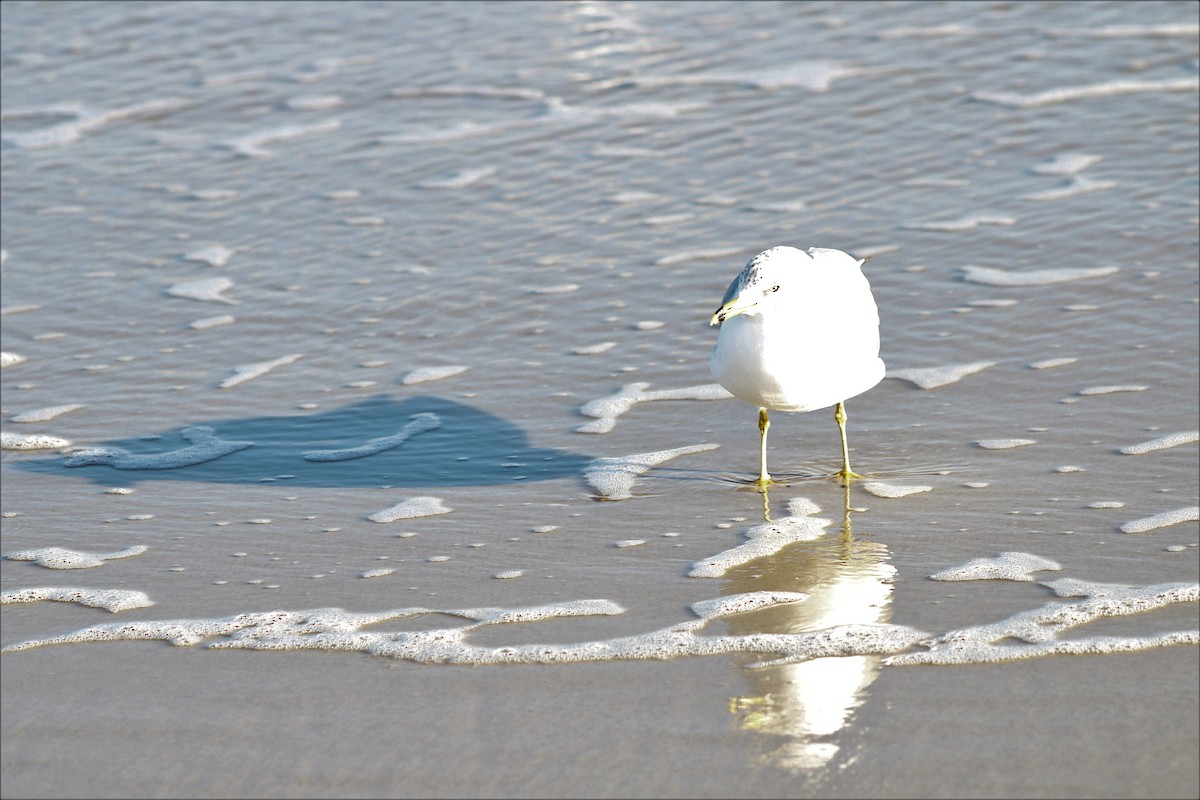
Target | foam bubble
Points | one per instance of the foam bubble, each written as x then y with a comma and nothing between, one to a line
205,446
412,507
607,409
628,543
802,507
764,539
113,600
880,489
933,377
247,372
508,575
1106,504
594,349
424,374
1188,514
1067,164
1051,363
314,102
376,573
993,303
561,288
206,290
10,360
1004,444
46,414
1106,89
252,144
60,558
1092,390
34,441
1010,566
613,477
1038,277
1077,186
212,322
1161,443
419,423
214,255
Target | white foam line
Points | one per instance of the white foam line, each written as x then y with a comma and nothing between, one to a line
205,290
251,145
60,558
1162,520
332,629
607,409
881,489
1077,186
1189,29
339,630
205,446
1038,629
990,276
10,360
246,372
613,478
816,76
1011,566
933,377
764,539
425,374
214,255
33,441
47,414
1106,89
411,508
84,120
1067,164
1095,390
1161,443
113,600
1004,444
420,423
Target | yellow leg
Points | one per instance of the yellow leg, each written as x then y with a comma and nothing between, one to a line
764,422
846,473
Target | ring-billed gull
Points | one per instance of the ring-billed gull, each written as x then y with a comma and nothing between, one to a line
799,332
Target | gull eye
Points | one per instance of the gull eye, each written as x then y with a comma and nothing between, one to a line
775,288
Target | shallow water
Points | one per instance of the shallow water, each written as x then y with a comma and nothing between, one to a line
336,289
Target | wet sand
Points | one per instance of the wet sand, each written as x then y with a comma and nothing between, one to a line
389,331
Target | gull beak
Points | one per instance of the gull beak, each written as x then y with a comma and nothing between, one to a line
731,309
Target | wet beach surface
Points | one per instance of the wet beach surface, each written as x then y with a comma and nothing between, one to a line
375,336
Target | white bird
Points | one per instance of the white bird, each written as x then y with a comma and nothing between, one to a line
799,332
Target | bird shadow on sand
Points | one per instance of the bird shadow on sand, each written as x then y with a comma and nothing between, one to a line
415,442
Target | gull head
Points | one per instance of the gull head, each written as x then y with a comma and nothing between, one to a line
764,281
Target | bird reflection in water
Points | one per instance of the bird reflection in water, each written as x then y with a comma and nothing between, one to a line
848,580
